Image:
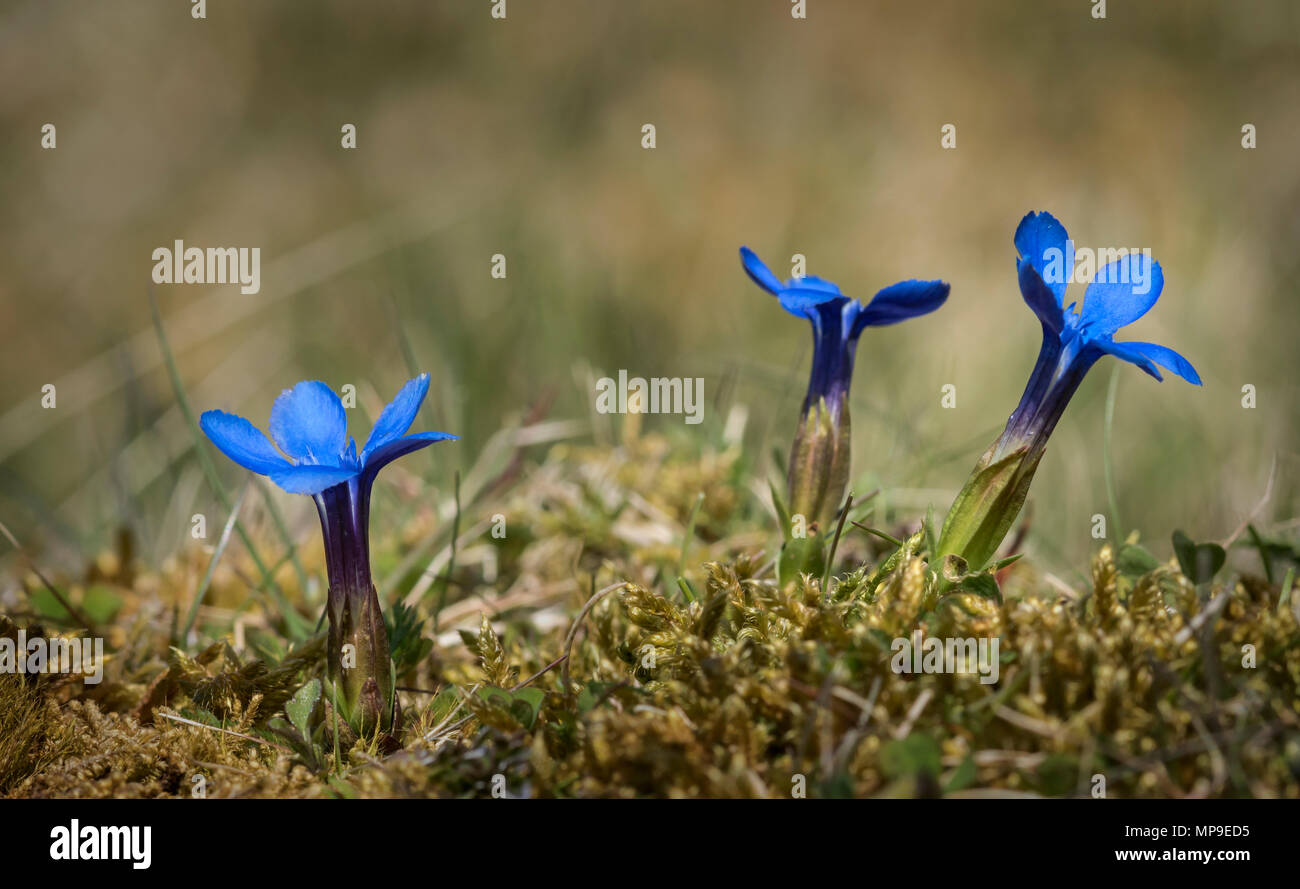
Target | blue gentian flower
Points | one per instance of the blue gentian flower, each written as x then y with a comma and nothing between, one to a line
309,425
1120,293
819,458
319,459
838,321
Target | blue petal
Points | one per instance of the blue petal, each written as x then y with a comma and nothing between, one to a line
898,302
759,272
812,282
801,302
387,453
1115,297
1147,355
308,423
1037,234
307,479
1039,297
397,415
241,441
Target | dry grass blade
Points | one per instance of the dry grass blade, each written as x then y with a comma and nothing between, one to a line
67,606
212,563
225,731
577,622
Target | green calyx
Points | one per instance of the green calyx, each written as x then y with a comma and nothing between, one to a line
360,666
819,469
988,505
817,479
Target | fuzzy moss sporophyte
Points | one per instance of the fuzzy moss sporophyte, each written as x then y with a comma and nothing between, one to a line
819,459
1120,293
321,460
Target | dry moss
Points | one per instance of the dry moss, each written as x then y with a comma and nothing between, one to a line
727,686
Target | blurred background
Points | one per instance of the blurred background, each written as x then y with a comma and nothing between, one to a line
523,137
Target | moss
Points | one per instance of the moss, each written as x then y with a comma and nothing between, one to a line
30,733
732,686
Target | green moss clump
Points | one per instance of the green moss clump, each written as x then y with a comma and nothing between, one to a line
585,668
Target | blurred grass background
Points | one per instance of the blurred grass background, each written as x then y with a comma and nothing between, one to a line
523,137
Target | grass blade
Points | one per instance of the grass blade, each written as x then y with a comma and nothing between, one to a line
835,541
297,626
451,562
690,533
212,566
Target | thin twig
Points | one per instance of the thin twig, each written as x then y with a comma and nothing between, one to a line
224,731
219,765
913,714
577,622
540,673
1208,613
76,615
851,738
1268,493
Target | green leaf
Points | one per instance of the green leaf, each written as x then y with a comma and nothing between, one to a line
1134,561
962,580
1199,561
963,776
1009,560
270,647
984,585
1284,600
342,788
592,693
527,703
782,512
523,704
45,604
198,714
101,603
917,754
876,532
801,555
299,708
931,533
407,645
281,731
1057,774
